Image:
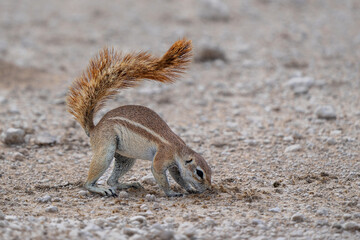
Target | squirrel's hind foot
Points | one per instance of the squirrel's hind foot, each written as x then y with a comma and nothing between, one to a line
107,192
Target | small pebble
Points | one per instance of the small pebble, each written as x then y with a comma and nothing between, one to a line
139,219
13,136
300,85
150,197
298,217
288,139
208,51
123,194
44,199
83,193
293,148
322,223
251,142
18,156
148,179
51,209
326,112
331,141
275,210
322,212
45,139
219,144
335,133
352,226
257,222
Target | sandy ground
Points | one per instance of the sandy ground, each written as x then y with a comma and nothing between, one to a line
280,170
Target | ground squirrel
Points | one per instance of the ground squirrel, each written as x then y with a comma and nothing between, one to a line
134,132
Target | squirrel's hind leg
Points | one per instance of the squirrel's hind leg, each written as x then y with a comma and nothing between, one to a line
122,165
103,156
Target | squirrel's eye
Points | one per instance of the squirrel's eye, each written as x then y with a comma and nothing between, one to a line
188,161
200,173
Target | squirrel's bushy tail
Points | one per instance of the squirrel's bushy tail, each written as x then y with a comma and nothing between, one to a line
111,71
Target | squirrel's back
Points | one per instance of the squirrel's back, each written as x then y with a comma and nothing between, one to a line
111,71
142,118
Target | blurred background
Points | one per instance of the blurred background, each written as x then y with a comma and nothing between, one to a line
62,35
271,101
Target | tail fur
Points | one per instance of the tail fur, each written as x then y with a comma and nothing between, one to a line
111,71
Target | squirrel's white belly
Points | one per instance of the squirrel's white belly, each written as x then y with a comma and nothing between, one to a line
133,145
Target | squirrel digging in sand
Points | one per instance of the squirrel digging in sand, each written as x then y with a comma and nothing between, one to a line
134,132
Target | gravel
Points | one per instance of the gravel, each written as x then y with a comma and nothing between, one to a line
275,64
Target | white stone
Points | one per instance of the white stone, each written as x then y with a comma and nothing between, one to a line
288,139
331,141
51,209
45,139
83,193
275,210
351,226
293,148
44,199
187,229
150,197
148,179
13,136
325,112
335,132
123,194
300,84
322,212
251,142
139,219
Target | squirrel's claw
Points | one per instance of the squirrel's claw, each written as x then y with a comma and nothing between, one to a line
110,193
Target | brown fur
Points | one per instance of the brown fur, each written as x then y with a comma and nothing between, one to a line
111,71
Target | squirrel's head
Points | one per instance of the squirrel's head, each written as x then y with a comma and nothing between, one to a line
195,170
